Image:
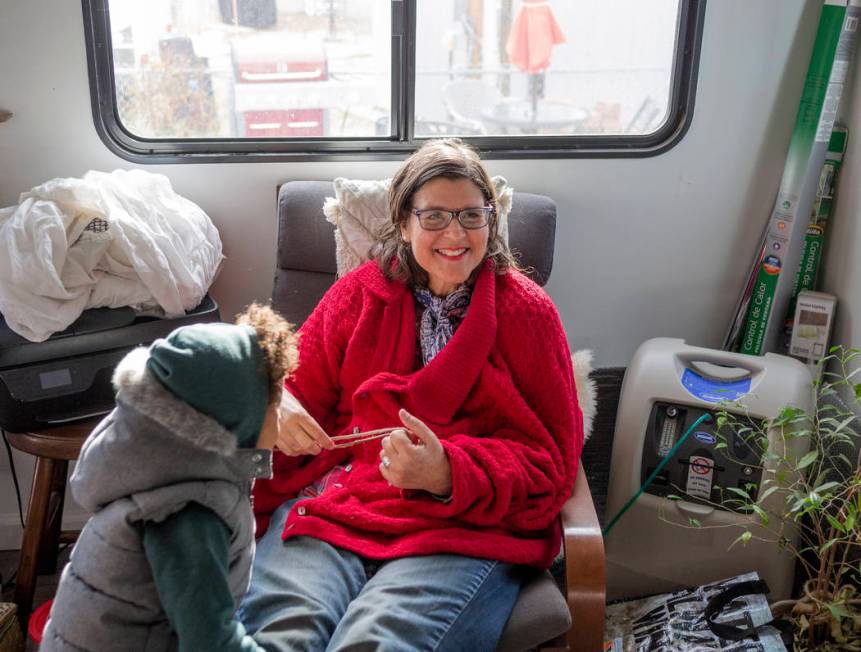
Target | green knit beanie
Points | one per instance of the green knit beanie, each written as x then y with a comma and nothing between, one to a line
219,370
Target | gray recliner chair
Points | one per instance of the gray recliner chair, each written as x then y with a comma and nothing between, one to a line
544,616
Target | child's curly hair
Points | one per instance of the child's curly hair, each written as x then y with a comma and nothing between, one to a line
277,340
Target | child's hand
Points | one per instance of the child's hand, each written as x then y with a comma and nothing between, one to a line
422,465
298,432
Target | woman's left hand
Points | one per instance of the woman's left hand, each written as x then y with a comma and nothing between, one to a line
422,465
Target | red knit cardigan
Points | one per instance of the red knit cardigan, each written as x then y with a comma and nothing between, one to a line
500,396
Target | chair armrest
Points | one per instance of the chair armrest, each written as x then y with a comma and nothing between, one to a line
584,568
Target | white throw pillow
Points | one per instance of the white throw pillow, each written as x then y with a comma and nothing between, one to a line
359,210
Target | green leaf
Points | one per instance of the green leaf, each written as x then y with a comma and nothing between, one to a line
766,493
838,611
809,502
770,457
744,537
808,459
858,391
827,388
739,492
694,522
763,515
827,545
844,423
719,445
837,525
821,489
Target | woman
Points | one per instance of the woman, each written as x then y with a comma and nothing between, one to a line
421,539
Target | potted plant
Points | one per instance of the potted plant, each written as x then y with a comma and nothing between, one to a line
817,493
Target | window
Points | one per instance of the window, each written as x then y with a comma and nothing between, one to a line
228,80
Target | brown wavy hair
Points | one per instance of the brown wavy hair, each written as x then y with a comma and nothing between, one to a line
278,341
449,158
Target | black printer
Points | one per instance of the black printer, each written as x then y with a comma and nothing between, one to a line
68,376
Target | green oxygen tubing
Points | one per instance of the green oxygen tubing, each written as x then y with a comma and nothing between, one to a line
703,419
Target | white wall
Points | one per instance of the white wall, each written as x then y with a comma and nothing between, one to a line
645,247
842,270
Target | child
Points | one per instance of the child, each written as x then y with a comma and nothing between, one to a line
167,554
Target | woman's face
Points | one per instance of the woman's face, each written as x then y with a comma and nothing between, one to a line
448,256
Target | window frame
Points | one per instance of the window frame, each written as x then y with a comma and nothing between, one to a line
401,140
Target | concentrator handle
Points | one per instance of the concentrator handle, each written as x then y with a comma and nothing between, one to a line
719,372
713,364
693,509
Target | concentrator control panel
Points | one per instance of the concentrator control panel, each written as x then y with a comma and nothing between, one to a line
701,469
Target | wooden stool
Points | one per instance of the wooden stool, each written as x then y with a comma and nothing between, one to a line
53,448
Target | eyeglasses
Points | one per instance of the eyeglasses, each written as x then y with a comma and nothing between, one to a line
436,219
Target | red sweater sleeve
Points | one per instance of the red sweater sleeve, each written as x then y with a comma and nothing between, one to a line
323,340
519,476
315,383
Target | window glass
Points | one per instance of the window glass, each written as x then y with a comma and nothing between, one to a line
559,67
247,80
192,69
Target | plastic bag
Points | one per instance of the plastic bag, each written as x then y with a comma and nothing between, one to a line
675,622
108,240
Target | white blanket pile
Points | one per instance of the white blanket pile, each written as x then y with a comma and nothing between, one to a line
107,240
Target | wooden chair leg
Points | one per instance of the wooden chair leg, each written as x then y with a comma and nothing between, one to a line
50,543
37,514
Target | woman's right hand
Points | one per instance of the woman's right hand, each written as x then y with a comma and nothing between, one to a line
298,432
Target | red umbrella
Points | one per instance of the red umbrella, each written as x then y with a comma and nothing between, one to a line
531,40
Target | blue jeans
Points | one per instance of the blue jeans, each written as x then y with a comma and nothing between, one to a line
308,595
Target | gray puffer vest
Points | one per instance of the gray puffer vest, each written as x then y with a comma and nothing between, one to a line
145,461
